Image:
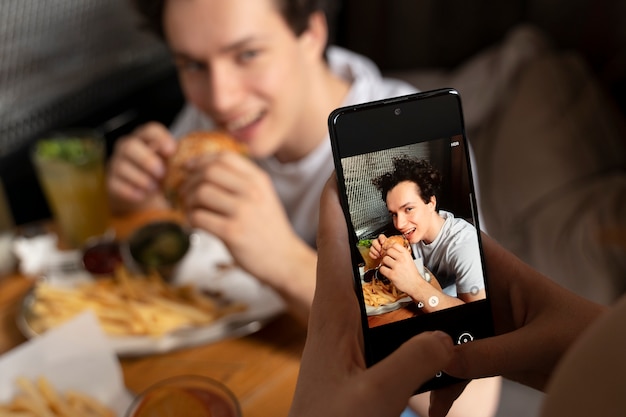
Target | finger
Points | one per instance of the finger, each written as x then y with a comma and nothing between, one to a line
413,363
158,138
132,152
217,174
135,175
441,400
214,223
334,268
516,355
125,190
208,196
230,171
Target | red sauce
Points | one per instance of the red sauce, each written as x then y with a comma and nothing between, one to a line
102,258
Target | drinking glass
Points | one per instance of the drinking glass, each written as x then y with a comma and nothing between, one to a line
186,395
70,166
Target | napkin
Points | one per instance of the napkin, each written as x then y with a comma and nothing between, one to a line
39,255
75,355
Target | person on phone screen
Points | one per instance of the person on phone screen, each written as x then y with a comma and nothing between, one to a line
262,71
448,245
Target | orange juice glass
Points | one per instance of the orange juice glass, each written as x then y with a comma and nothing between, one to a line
70,167
186,395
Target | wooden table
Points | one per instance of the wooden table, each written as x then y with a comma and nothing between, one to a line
261,369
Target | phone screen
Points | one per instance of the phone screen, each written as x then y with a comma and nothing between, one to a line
406,187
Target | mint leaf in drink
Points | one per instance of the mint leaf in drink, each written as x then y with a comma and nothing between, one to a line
365,242
77,151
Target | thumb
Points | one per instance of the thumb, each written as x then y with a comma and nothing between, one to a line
413,363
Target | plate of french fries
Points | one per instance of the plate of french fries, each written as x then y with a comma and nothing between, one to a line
381,297
143,314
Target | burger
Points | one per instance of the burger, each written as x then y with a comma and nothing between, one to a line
388,243
191,146
392,240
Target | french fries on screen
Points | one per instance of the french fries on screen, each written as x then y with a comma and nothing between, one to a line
128,305
377,293
40,399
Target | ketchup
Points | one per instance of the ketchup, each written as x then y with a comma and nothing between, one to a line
102,258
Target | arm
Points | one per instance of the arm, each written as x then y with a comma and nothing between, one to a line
229,196
536,321
333,379
528,310
398,266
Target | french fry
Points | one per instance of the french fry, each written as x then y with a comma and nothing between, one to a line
4,412
88,405
55,402
41,399
33,399
128,305
376,293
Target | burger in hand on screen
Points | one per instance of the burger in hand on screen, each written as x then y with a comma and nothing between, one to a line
377,256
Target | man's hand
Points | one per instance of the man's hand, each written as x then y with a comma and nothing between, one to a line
137,166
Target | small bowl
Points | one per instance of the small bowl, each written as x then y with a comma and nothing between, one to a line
186,395
158,246
102,257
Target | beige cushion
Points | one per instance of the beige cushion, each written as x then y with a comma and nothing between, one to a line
550,152
552,174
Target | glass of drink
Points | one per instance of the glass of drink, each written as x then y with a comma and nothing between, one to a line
70,166
186,395
364,249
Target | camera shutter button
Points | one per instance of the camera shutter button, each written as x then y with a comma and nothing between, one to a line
465,337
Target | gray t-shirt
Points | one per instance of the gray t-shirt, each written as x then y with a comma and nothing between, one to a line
454,256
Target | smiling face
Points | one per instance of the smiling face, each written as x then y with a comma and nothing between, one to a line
415,219
239,62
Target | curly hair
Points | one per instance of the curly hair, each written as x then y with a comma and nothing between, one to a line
295,12
419,171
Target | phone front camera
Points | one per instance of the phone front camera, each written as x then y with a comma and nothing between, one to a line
397,111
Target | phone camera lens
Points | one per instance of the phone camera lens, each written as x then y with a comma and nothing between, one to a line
397,111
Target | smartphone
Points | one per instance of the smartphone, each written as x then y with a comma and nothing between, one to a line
405,184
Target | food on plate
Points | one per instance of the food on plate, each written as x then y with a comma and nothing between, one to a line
377,289
377,293
191,146
41,399
128,304
364,245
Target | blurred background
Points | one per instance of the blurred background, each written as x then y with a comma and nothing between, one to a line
89,63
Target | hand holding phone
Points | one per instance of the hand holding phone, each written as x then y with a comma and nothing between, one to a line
405,185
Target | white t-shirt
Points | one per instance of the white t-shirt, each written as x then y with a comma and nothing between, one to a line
299,184
454,256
